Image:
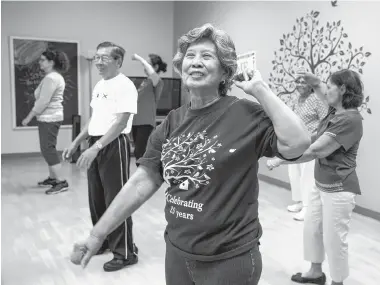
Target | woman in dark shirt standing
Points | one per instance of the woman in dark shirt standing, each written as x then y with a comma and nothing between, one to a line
333,198
208,151
149,94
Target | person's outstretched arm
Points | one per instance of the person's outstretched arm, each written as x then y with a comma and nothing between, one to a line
139,188
292,135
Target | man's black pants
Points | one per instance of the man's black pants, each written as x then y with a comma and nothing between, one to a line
106,176
140,134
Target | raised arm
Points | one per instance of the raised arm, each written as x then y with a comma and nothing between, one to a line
318,86
292,136
148,68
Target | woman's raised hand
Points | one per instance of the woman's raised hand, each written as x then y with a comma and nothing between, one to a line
309,77
250,80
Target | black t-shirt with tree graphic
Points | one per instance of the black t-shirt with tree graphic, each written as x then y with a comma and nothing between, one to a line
209,158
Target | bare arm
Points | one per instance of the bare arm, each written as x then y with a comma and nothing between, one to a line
292,136
139,188
321,148
87,157
82,135
31,115
320,91
313,137
148,68
318,86
116,129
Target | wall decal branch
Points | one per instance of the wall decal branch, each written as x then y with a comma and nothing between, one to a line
321,49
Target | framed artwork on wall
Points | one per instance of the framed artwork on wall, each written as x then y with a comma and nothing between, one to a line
26,75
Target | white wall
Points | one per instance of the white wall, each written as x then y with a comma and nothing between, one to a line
141,27
259,26
145,27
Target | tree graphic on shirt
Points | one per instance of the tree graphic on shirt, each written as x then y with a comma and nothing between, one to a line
188,159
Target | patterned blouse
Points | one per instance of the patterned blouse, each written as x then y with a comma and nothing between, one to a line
311,111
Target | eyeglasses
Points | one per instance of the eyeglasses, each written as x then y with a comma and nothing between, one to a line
103,58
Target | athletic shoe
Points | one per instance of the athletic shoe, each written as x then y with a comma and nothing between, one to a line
47,182
58,188
300,216
295,208
118,263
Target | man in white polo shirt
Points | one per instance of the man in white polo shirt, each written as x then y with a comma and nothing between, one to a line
114,101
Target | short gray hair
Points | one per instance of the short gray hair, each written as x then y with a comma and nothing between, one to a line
225,49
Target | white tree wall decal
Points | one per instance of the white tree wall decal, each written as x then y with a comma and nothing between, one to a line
322,50
186,159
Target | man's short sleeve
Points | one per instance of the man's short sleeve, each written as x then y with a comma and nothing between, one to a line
152,156
345,129
126,98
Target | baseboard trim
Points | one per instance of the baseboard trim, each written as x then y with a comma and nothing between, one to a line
274,181
33,155
22,155
358,209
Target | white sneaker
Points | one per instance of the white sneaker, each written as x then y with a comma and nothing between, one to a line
295,208
300,216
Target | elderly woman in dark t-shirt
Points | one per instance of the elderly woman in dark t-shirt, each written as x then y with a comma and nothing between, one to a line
207,151
333,198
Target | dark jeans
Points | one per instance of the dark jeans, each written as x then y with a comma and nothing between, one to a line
140,136
106,176
244,269
48,132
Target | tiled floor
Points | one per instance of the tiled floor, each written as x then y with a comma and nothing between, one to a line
38,232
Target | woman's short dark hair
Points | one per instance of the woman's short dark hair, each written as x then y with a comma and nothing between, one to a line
60,59
353,97
157,60
225,49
